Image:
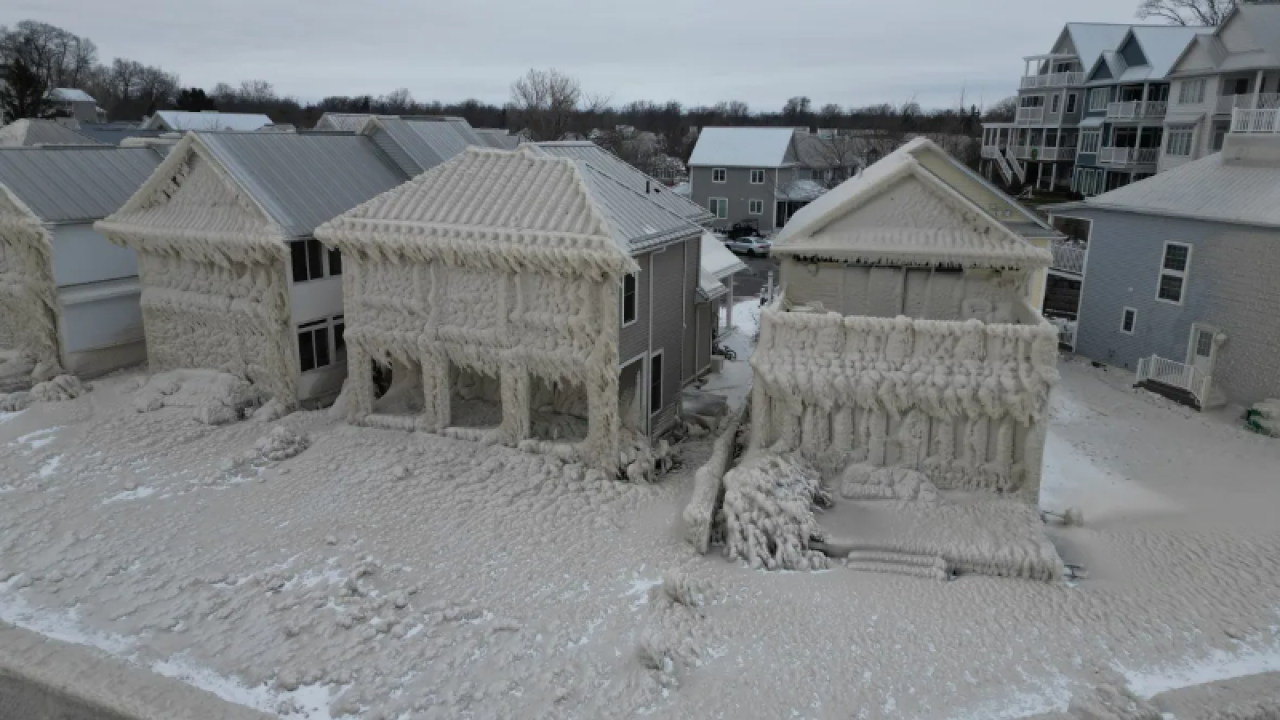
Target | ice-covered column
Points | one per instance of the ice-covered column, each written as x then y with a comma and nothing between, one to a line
1033,460
359,381
517,415
760,416
436,409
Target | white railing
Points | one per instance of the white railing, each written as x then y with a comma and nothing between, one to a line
990,152
1060,79
1030,114
1059,153
1022,152
1128,156
1255,121
1016,166
1067,257
1176,374
1067,335
1136,110
1265,101
1003,166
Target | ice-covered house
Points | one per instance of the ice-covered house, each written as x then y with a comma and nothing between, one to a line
232,277
68,297
519,296
902,335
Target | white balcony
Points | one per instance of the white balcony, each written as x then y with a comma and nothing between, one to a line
1136,110
1067,257
1255,121
1030,115
1176,375
1127,156
1265,101
1058,154
1053,80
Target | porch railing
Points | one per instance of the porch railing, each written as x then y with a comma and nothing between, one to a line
1067,257
1058,153
1128,156
1255,121
1030,115
1060,79
1266,101
1137,110
1175,374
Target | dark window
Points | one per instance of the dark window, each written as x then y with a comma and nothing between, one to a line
1071,103
655,384
1056,100
335,262
308,260
315,259
339,332
307,350
1175,257
1204,343
1130,317
298,250
313,345
629,299
1171,288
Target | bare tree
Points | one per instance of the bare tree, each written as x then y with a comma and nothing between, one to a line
24,91
544,103
1187,12
256,91
61,58
1004,111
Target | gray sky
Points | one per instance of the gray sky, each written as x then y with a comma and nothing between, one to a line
851,52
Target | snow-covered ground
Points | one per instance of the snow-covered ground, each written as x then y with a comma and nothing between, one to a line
389,575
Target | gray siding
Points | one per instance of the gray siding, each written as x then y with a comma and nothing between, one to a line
1132,54
705,319
738,190
1230,286
668,318
689,361
634,339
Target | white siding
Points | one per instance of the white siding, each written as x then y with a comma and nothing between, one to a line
81,255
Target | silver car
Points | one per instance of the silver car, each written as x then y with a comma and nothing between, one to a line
756,246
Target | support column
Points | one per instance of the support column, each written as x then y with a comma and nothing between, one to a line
517,415
728,309
436,390
359,382
1257,89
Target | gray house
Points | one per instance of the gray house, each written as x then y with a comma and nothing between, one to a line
752,173
1181,276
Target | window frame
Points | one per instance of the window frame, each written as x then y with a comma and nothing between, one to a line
722,173
334,350
1072,105
1191,91
1183,275
1131,315
1184,136
313,254
660,360
1056,103
711,205
1102,92
752,177
635,299
752,204
1090,141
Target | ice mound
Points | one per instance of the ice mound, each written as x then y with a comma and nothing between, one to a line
214,398
768,505
283,443
60,388
868,482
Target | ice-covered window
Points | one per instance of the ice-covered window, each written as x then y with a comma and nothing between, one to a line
655,384
757,177
308,258
755,207
313,345
629,299
719,175
1173,272
1180,138
1128,320
719,207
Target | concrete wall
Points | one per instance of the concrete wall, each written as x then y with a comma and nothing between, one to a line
1230,286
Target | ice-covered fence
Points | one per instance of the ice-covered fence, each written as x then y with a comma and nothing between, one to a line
963,402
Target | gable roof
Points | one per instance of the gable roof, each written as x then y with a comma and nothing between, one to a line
1092,39
759,147
75,184
1262,25
1162,45
426,141
498,138
206,120
348,122
973,239
29,132
113,133
623,172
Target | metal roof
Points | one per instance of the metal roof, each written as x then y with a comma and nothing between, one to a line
427,142
717,260
304,180
1162,45
207,120
638,223
628,175
1092,39
113,133
29,132
751,147
497,138
1261,33
350,122
71,184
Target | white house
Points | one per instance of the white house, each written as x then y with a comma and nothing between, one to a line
68,297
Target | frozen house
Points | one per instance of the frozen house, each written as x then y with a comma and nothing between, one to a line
232,277
903,336
519,297
68,297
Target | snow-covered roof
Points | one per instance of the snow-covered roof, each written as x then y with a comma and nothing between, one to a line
70,184
627,174
1254,46
899,212
206,120
29,132
717,260
709,288
799,191
1212,188
757,147
71,95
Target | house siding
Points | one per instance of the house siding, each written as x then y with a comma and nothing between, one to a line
668,324
705,319
633,340
1230,286
738,189
688,319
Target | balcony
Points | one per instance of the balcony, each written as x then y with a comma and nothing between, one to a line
1266,101
1068,257
1030,115
1128,156
1136,110
1053,80
1255,121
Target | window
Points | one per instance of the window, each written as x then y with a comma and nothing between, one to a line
1098,98
1071,103
1219,135
755,207
1090,140
1191,92
655,384
1204,343
1057,103
339,334
719,175
629,299
1180,140
1032,101
313,345
757,177
1128,320
1173,272
335,261
719,207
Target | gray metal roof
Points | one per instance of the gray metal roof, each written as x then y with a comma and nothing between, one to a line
304,180
628,175
113,133
638,223
498,139
75,184
29,132
1092,39
428,142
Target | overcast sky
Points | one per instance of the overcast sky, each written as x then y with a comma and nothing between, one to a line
851,52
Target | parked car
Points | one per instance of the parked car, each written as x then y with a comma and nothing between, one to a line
756,246
744,228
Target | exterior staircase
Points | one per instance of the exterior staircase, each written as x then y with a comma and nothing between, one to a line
1015,164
